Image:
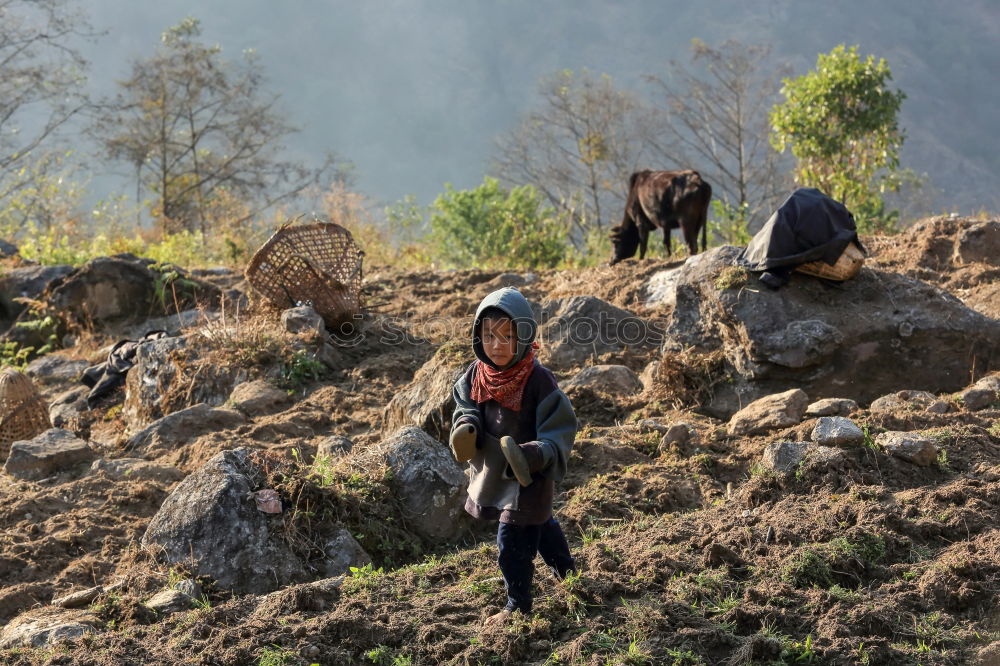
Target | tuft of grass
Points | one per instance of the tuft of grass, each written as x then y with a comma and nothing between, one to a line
275,656
731,277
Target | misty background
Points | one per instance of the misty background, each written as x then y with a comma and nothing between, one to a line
415,93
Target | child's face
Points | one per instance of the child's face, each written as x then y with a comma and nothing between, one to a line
498,340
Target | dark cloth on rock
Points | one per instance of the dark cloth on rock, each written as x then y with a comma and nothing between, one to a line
104,378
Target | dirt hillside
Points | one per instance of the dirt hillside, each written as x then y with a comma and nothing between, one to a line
692,548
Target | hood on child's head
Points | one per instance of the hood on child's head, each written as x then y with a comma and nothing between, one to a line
512,303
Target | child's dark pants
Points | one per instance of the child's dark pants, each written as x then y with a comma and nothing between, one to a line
518,545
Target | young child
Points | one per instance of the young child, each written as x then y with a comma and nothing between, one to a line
515,428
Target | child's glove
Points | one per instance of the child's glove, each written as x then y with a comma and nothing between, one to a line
522,459
463,442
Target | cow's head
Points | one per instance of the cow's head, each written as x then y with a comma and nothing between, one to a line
625,239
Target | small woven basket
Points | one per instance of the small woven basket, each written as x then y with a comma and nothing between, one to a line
848,265
317,263
23,413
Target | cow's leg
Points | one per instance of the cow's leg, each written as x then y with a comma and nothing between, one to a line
690,236
643,240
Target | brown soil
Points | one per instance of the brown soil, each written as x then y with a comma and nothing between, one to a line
689,553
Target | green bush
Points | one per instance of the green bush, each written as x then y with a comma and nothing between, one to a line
490,227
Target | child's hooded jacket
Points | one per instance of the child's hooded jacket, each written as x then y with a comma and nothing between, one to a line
545,419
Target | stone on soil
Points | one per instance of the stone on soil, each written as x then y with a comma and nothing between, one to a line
909,446
182,427
303,320
771,412
136,469
903,401
334,446
39,629
784,457
582,328
982,394
258,398
55,450
832,407
52,369
343,552
65,410
79,598
210,523
166,602
837,431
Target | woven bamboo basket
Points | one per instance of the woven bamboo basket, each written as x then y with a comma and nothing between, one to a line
23,413
848,265
317,263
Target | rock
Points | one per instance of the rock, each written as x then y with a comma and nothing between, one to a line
771,412
939,407
136,469
903,401
258,398
582,328
65,410
151,385
189,587
428,483
612,379
783,457
108,293
173,324
211,524
303,320
515,280
26,282
342,553
988,656
333,447
982,394
832,407
39,629
648,375
53,369
678,433
980,242
166,602
8,249
909,446
79,598
837,431
427,401
661,288
55,450
182,427
871,335
649,425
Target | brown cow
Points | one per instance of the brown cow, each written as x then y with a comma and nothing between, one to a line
665,199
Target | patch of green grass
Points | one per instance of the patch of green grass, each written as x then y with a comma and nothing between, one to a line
300,369
843,594
731,277
275,656
362,578
816,564
678,657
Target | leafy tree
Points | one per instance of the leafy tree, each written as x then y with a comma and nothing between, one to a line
41,79
490,226
840,122
715,119
578,147
195,126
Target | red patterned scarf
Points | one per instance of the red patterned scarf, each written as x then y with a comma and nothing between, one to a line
504,386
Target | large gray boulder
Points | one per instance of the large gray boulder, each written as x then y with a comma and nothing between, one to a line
427,402
578,329
862,339
26,282
211,524
430,485
54,451
112,292
182,427
162,367
613,379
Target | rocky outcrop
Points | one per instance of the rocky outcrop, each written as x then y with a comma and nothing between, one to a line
860,340
613,379
427,481
579,329
427,402
26,282
210,522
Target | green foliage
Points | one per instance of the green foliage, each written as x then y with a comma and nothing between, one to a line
488,226
300,369
731,277
817,564
275,656
840,122
728,225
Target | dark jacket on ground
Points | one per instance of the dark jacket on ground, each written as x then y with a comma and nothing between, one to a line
545,422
